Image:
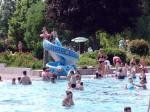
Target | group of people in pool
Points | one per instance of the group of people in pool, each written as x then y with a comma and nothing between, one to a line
123,70
74,83
48,76
25,80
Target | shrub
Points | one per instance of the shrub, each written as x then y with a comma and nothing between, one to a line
38,50
20,60
140,47
91,55
107,40
1,47
90,58
86,61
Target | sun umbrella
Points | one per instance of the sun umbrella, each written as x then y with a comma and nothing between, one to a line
79,40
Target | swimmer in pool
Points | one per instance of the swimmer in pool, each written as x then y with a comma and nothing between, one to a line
127,109
68,101
142,84
79,85
14,81
130,84
143,76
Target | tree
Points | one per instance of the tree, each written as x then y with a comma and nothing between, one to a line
35,19
87,16
142,28
16,23
6,10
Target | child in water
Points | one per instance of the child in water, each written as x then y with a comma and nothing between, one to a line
130,84
79,85
14,81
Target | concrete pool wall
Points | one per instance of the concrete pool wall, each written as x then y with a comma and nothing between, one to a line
18,70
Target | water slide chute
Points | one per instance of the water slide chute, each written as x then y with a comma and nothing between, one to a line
64,59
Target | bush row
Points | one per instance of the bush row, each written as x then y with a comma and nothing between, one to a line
20,60
88,59
139,46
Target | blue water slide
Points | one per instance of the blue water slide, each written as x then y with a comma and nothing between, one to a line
64,59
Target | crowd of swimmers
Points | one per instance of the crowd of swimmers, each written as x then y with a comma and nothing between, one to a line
74,83
74,78
24,80
123,70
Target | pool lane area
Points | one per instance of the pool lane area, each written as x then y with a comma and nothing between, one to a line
99,95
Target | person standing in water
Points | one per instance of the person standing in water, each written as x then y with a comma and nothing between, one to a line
117,61
68,101
101,59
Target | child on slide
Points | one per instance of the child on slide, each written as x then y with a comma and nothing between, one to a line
45,34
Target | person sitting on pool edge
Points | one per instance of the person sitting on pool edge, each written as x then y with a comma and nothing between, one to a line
127,109
68,101
25,80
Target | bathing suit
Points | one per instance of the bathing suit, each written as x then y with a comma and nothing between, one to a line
117,60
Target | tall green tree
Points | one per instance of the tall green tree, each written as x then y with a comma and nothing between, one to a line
35,20
7,7
16,23
87,16
143,26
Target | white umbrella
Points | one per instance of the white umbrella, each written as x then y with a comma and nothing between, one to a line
79,40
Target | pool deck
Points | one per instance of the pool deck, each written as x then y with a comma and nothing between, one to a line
7,73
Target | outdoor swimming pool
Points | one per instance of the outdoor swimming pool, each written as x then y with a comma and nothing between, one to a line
103,95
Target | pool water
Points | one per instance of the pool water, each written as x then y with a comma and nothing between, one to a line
100,95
